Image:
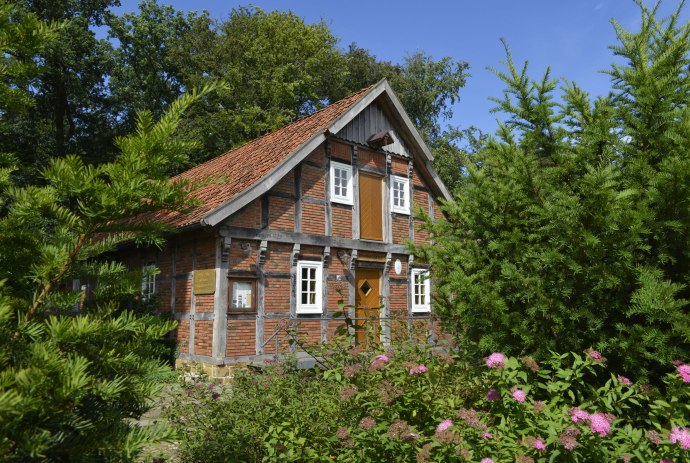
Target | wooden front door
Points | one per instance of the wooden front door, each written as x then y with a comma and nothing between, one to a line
367,303
371,207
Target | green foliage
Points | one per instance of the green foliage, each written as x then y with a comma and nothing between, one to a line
86,91
22,36
390,407
570,225
428,89
148,72
77,369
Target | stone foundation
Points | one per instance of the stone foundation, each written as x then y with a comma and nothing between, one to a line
220,374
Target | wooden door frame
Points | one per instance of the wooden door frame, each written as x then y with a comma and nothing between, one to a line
361,335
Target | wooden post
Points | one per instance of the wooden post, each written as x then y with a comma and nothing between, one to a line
327,192
220,317
355,195
192,308
298,198
260,295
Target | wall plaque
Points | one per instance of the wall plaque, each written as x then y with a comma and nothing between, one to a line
205,281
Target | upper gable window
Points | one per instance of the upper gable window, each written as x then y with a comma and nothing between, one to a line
341,184
400,194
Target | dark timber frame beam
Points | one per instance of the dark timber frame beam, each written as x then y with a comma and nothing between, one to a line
310,240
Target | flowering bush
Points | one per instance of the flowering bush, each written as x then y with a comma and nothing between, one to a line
422,404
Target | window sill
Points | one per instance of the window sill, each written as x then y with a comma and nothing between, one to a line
399,211
421,310
346,202
318,311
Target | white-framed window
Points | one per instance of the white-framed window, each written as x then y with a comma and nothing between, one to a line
309,284
400,194
341,183
148,280
421,290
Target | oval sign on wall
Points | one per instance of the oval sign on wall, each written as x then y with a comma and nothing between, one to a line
398,266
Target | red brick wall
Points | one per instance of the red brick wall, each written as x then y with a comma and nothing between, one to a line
399,166
204,303
416,179
400,225
241,338
247,217
309,332
341,151
203,337
318,155
281,214
182,335
313,182
277,295
311,251
313,218
341,220
270,327
278,257
243,255
205,251
421,200
335,265
438,214
183,295
371,159
286,184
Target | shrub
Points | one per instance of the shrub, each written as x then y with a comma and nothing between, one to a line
421,404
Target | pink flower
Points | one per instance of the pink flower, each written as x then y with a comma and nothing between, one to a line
496,360
578,415
379,362
596,355
487,460
519,394
487,435
624,380
539,445
445,424
681,436
418,370
666,460
600,423
492,394
684,372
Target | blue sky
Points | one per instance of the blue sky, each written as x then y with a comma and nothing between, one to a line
571,36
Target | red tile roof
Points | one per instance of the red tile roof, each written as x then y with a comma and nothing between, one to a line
248,164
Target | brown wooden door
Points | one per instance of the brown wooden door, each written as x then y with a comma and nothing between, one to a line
371,207
367,303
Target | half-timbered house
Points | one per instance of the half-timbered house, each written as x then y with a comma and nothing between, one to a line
314,213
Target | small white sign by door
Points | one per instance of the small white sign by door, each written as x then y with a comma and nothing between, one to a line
398,266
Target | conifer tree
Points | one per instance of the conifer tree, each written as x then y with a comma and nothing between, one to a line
76,369
570,229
